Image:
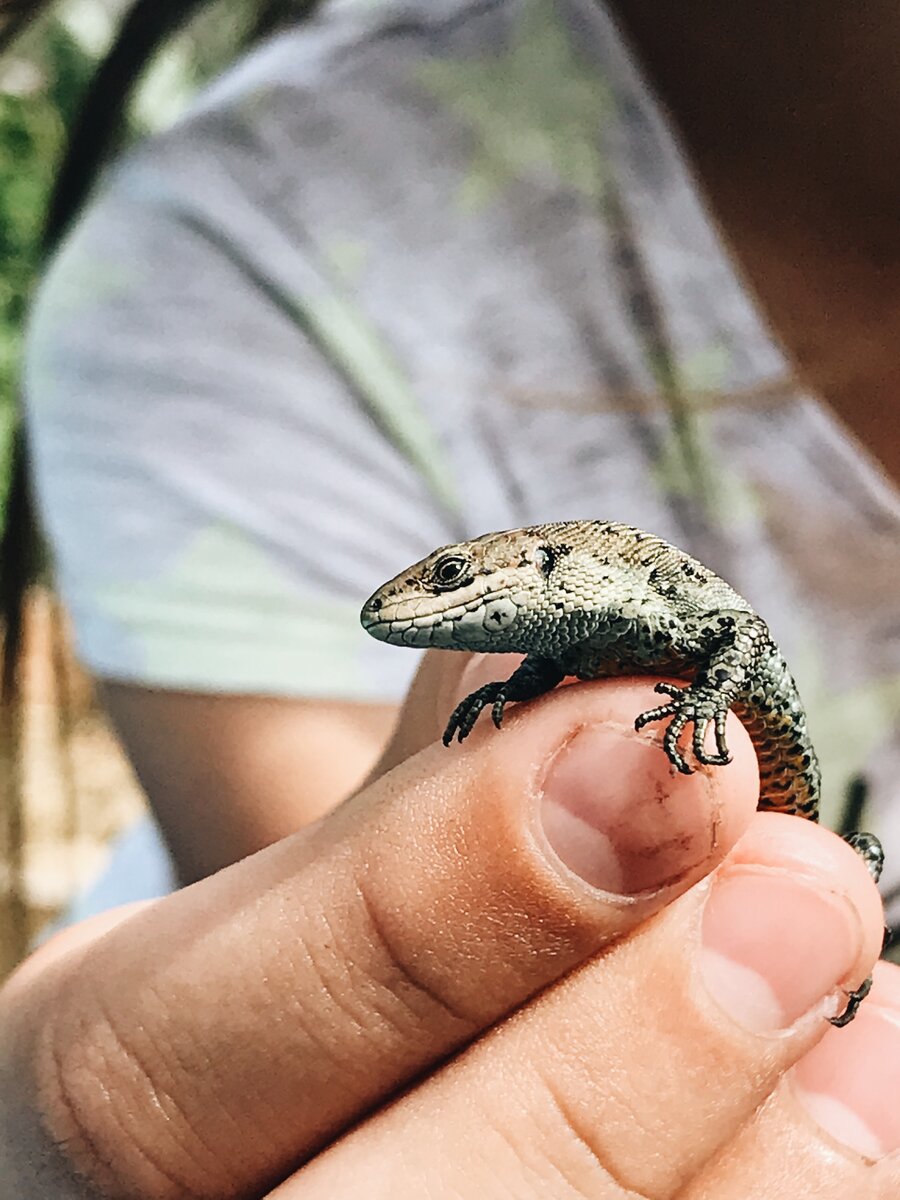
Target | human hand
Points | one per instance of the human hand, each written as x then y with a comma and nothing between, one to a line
253,1028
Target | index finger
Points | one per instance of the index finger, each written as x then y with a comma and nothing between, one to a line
217,1039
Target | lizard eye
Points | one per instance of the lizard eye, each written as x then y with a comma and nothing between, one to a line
451,571
544,558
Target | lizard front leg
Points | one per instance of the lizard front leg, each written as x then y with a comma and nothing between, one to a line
533,677
735,643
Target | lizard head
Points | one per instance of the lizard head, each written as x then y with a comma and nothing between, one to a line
497,592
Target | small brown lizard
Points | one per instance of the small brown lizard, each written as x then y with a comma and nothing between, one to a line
596,599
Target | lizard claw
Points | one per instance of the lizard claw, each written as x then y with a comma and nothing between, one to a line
678,722
466,713
721,744
686,708
723,757
532,678
664,710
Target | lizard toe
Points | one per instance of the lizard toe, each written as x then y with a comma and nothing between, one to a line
670,744
713,760
721,758
721,744
466,713
655,714
854,1000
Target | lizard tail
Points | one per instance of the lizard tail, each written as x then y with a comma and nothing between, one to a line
789,776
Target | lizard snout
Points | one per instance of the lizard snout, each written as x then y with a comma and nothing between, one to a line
372,620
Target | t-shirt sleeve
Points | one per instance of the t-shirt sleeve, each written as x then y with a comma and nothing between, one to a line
228,458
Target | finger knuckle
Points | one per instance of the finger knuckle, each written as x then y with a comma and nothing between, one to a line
106,1107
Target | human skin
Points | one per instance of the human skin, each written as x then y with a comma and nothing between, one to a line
253,1032
205,760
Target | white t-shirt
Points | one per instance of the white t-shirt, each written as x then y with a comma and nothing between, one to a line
405,274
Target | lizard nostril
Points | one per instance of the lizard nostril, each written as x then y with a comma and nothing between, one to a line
374,605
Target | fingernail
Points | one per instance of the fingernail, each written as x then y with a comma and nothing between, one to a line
773,946
850,1083
614,814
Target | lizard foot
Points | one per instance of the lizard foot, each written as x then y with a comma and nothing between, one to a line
854,1000
533,677
869,847
467,712
689,706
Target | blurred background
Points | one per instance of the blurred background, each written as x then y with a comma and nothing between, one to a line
66,787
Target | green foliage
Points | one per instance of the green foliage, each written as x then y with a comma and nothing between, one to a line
39,90
536,107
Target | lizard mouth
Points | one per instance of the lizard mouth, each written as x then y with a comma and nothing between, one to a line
374,619
386,624
380,630
465,626
406,632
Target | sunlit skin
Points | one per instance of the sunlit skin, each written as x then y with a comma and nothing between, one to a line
397,930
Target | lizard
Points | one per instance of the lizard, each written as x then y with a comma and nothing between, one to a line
598,599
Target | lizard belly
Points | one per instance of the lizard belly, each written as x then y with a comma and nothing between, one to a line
627,649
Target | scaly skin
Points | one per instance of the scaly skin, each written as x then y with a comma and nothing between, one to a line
596,599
